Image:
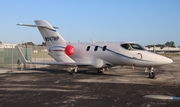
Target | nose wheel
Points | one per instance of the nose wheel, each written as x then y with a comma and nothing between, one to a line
151,73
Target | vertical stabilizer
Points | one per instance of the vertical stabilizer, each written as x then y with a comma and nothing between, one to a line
49,34
54,41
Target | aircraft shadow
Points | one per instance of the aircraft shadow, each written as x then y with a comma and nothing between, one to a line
90,72
55,70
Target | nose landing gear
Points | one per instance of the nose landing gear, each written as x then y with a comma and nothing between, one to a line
151,73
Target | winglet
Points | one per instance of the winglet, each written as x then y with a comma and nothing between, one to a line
21,56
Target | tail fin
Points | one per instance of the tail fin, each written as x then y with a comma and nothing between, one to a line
48,32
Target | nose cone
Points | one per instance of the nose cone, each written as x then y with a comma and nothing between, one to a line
161,60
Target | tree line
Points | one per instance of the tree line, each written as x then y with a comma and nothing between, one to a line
167,44
32,44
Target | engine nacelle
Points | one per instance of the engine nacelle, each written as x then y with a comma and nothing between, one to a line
60,50
57,50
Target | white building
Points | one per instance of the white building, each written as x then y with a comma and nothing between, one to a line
164,50
7,45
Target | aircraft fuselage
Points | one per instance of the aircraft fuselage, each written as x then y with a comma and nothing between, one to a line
107,54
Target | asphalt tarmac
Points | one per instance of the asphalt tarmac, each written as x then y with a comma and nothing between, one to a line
118,87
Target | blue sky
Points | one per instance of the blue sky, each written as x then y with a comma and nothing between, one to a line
142,21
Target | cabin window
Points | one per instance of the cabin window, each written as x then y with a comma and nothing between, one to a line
96,48
104,48
88,48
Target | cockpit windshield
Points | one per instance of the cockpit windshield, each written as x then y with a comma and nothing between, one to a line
132,46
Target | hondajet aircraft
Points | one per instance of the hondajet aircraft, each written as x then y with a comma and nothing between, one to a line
95,55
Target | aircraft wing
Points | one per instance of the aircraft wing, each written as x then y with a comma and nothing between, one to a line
62,63
23,59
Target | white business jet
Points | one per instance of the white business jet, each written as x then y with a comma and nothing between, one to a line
99,56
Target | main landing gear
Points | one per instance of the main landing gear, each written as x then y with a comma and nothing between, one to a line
72,70
100,71
151,73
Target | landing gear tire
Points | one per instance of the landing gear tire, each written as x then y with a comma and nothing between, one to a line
151,75
71,72
99,71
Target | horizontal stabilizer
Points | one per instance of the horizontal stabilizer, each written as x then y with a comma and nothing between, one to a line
41,26
20,24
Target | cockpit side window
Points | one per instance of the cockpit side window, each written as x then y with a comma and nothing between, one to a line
126,46
137,46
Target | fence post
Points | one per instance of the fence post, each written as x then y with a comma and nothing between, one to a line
26,52
43,54
12,57
35,52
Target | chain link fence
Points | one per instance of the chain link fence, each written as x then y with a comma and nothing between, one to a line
9,58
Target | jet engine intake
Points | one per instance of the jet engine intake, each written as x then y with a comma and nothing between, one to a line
69,50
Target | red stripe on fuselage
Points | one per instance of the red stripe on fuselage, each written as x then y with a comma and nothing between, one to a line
57,50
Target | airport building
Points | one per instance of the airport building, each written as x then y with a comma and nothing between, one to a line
7,46
164,50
